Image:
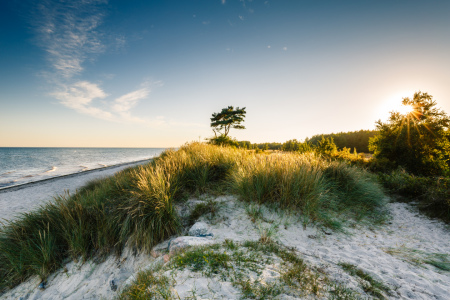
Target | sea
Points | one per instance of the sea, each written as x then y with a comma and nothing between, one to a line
24,165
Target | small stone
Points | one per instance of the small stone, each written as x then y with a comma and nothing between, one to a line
199,229
42,285
327,232
186,241
113,285
154,254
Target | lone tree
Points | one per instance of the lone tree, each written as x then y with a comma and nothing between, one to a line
225,120
418,141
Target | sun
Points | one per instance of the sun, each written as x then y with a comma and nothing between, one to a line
405,109
394,103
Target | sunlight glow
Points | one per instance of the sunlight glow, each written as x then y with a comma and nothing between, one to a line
405,109
394,103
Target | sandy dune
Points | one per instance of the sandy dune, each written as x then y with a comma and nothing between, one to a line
377,251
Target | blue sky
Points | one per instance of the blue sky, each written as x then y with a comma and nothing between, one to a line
151,73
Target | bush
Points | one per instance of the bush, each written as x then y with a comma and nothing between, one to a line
432,193
418,141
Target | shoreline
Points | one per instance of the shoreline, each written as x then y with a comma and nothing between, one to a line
23,198
80,173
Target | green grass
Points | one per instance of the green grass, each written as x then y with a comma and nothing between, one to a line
136,207
233,262
148,285
416,257
208,208
369,284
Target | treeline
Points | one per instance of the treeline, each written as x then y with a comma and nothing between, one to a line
358,140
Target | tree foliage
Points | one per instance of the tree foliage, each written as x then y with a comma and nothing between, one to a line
326,146
228,118
417,141
353,139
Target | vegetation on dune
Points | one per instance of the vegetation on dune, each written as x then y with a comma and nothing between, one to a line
412,155
241,264
136,206
417,141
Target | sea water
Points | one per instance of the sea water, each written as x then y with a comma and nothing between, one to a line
23,165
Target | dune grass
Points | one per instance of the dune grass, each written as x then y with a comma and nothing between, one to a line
135,207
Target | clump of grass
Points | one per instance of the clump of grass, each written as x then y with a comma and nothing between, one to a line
206,260
324,192
417,257
254,211
148,285
209,207
369,285
267,233
252,290
339,292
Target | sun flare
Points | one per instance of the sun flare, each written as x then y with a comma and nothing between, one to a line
394,103
405,109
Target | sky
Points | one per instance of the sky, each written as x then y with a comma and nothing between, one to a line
98,73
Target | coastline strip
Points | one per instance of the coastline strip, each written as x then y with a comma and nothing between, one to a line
37,182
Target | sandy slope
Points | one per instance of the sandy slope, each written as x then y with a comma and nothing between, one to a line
24,198
363,247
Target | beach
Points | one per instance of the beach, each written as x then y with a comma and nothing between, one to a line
26,197
375,251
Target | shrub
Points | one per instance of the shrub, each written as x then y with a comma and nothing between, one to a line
432,193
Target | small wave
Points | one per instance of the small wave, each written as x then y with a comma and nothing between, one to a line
53,169
7,173
103,165
84,168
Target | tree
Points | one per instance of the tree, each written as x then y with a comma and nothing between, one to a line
228,118
418,141
326,146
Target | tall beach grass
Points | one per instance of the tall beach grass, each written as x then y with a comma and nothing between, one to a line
136,207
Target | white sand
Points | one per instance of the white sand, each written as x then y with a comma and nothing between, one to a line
26,197
363,247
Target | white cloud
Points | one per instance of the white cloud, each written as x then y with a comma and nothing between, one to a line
124,103
285,48
224,1
241,17
80,96
84,96
268,46
67,32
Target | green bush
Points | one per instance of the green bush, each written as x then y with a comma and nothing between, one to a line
418,141
432,193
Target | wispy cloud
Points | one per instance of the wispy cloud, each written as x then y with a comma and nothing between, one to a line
84,97
126,102
68,32
80,97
